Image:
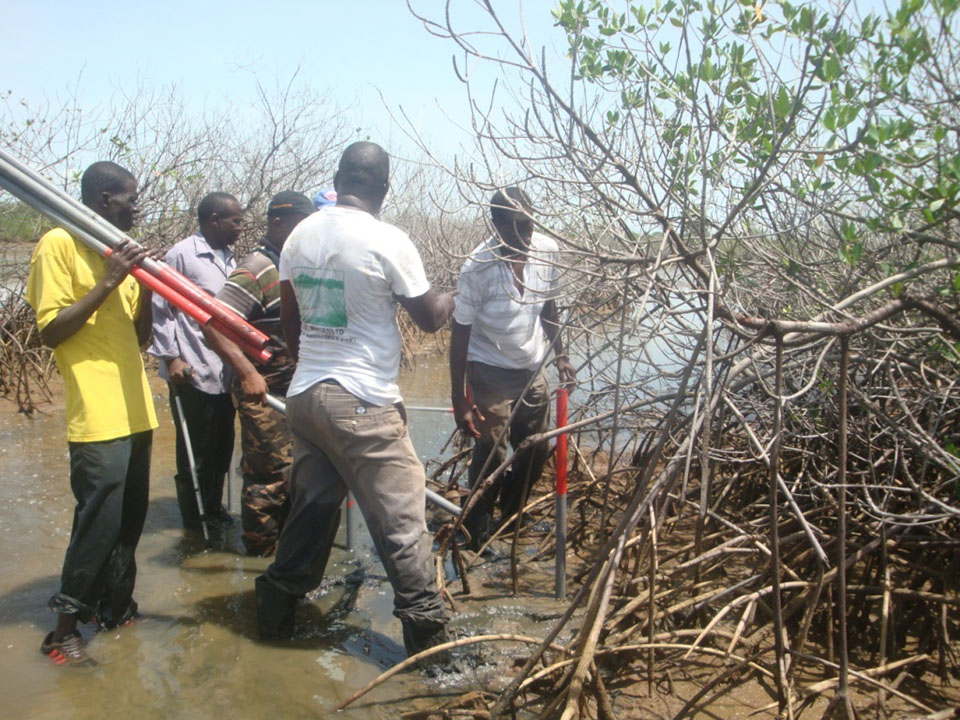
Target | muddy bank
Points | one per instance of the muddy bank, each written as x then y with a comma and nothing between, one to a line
196,654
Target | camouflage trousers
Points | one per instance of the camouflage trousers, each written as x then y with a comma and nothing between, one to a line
265,444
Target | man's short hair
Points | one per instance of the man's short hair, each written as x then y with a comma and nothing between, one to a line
215,202
507,202
103,176
365,165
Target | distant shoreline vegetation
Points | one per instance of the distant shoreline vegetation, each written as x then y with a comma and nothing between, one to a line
19,223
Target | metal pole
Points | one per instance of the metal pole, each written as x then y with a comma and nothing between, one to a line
178,407
142,276
441,502
36,191
350,504
560,461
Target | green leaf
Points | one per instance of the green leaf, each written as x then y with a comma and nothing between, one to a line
782,103
831,68
830,119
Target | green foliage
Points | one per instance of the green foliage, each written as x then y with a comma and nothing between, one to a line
830,106
20,223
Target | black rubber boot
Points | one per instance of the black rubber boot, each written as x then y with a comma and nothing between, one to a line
425,634
187,500
479,523
275,611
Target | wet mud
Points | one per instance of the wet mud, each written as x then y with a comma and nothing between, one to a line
195,653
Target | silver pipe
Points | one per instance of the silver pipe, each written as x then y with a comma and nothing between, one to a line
185,431
424,408
36,191
560,579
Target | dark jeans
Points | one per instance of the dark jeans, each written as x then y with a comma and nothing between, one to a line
210,425
341,442
496,391
111,482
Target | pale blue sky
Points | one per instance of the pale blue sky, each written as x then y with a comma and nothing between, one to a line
357,50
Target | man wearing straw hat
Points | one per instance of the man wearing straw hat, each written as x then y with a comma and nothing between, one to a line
96,317
504,325
253,291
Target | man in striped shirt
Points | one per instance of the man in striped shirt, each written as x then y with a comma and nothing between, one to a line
505,322
253,290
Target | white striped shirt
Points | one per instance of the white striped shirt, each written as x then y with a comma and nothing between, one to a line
505,326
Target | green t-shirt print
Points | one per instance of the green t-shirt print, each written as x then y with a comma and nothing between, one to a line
321,297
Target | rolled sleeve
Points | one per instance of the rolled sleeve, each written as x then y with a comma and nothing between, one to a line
242,294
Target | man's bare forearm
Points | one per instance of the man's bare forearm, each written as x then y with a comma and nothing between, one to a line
228,351
73,317
549,318
459,340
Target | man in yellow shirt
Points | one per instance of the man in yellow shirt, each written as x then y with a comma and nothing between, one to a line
96,317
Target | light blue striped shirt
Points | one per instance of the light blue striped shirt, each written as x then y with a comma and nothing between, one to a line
176,334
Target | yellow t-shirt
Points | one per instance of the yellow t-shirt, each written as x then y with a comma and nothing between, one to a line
107,392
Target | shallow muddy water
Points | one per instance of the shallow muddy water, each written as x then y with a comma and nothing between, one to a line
195,655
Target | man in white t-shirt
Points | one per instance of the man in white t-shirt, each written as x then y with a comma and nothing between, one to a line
504,325
342,274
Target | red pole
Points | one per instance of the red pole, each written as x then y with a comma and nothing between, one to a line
560,462
561,453
167,293
152,282
98,234
261,355
241,328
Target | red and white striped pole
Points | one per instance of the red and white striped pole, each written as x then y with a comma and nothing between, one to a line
560,462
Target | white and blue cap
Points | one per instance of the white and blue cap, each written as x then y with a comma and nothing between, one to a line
325,198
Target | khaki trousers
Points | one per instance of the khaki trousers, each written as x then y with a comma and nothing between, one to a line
341,443
496,391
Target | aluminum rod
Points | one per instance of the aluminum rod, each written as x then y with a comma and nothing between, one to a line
36,191
185,431
142,276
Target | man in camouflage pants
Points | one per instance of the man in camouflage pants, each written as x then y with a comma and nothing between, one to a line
253,290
